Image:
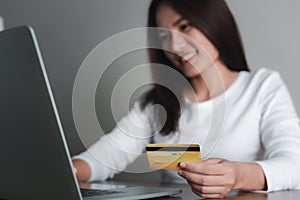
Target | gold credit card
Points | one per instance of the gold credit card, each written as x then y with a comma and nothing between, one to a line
168,156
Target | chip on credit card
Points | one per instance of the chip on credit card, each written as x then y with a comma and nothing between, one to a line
168,156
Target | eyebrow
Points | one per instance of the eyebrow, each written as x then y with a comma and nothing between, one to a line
174,24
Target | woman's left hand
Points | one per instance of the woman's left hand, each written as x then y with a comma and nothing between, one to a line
213,178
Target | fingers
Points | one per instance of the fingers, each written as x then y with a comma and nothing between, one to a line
210,179
203,168
213,160
214,192
208,196
210,189
201,179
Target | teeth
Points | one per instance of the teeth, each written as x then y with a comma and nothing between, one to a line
189,56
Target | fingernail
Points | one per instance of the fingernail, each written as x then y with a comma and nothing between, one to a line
180,172
182,165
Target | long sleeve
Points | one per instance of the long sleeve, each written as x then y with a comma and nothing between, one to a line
280,136
115,150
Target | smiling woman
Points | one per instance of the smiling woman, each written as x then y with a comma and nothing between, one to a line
212,39
258,147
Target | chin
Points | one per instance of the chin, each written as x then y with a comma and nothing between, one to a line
192,73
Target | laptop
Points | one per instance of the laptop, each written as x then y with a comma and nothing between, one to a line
35,160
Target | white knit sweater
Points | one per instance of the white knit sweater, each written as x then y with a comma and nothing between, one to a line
254,120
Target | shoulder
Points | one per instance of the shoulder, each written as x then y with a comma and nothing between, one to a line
264,74
259,85
268,89
264,80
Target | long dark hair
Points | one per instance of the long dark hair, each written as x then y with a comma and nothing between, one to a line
214,19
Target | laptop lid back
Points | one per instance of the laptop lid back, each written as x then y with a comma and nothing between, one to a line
33,151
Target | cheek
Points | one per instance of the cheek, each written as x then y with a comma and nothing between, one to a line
170,56
209,55
204,46
209,50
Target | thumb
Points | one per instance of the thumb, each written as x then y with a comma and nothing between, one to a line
213,160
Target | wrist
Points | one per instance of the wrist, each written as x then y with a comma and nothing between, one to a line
239,182
250,176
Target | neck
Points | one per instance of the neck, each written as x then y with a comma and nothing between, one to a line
211,83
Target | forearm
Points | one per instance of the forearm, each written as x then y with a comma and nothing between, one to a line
82,169
251,177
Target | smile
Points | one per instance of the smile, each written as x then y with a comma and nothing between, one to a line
189,56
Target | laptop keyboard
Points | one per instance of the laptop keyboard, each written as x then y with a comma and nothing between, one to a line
93,192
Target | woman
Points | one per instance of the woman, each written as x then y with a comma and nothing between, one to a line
258,146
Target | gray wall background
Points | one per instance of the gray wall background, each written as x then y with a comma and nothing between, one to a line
68,30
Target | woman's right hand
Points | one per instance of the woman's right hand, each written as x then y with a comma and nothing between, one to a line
82,170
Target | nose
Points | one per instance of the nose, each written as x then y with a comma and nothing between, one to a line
177,42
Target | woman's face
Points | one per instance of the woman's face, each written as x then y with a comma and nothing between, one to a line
194,53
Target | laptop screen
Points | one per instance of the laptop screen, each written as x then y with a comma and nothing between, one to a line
33,153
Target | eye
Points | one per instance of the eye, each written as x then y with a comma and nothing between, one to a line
184,27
